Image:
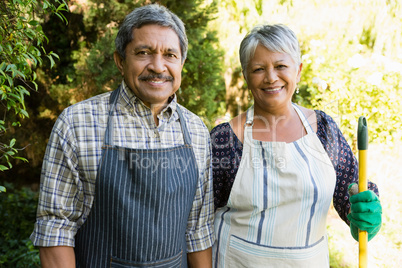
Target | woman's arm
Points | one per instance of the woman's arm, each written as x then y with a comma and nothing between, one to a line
343,160
226,156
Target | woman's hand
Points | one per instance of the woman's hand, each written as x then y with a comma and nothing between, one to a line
365,214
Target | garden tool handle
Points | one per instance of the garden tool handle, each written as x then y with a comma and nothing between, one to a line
362,145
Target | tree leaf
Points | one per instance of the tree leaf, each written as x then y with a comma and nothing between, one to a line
51,61
24,113
2,168
33,22
12,142
21,158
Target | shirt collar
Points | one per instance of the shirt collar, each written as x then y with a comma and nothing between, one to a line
130,101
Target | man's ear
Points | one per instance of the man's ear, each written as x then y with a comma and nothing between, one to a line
119,62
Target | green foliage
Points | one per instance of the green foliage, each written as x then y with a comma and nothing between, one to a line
95,70
352,84
202,83
21,51
336,257
352,61
8,151
17,214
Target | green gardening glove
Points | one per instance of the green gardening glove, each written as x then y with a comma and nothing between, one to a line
365,213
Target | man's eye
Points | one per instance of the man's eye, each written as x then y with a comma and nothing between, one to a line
257,70
171,55
142,52
281,66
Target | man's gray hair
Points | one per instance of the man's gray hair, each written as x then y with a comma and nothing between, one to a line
274,37
150,14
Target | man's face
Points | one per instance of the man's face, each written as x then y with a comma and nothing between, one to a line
153,64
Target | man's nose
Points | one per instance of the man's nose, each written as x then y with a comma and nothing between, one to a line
157,64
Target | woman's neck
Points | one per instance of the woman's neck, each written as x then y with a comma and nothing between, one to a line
279,125
275,117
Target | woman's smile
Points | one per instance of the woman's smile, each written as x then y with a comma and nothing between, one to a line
273,90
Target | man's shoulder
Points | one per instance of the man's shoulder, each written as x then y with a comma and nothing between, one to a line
96,103
194,123
98,100
191,117
89,111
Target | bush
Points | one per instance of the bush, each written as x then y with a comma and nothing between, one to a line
17,214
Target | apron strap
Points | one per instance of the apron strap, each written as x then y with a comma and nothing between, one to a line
304,120
248,129
112,102
250,116
186,134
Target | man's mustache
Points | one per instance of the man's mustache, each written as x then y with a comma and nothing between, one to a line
155,76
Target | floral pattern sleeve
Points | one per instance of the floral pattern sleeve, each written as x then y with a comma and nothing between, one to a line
343,160
226,155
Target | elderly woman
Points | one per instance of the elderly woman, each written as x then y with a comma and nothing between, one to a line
278,165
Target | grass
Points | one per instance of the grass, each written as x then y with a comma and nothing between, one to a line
384,250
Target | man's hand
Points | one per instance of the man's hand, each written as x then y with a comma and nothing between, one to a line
365,213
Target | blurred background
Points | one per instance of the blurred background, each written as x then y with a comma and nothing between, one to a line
55,53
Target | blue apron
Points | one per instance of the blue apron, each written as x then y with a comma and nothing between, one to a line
143,198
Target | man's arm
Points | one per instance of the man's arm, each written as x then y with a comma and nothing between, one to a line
200,259
61,193
60,257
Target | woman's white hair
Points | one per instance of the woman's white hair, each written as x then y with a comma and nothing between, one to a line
274,37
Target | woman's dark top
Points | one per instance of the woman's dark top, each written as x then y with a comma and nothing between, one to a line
227,151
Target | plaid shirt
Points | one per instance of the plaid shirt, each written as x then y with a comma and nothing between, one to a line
74,151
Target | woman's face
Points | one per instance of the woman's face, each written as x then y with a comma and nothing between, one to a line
272,78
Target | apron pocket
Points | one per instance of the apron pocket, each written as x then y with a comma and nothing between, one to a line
243,253
171,262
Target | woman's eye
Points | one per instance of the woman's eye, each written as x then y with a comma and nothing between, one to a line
142,52
281,66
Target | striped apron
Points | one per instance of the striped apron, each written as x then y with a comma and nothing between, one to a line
277,208
143,198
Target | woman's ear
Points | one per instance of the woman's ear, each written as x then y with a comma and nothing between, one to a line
244,75
299,72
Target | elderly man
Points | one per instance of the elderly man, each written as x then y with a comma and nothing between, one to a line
126,178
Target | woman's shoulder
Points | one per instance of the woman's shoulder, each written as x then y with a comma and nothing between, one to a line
220,129
237,125
318,119
310,115
234,127
328,129
325,120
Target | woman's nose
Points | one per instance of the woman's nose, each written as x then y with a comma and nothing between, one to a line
270,76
